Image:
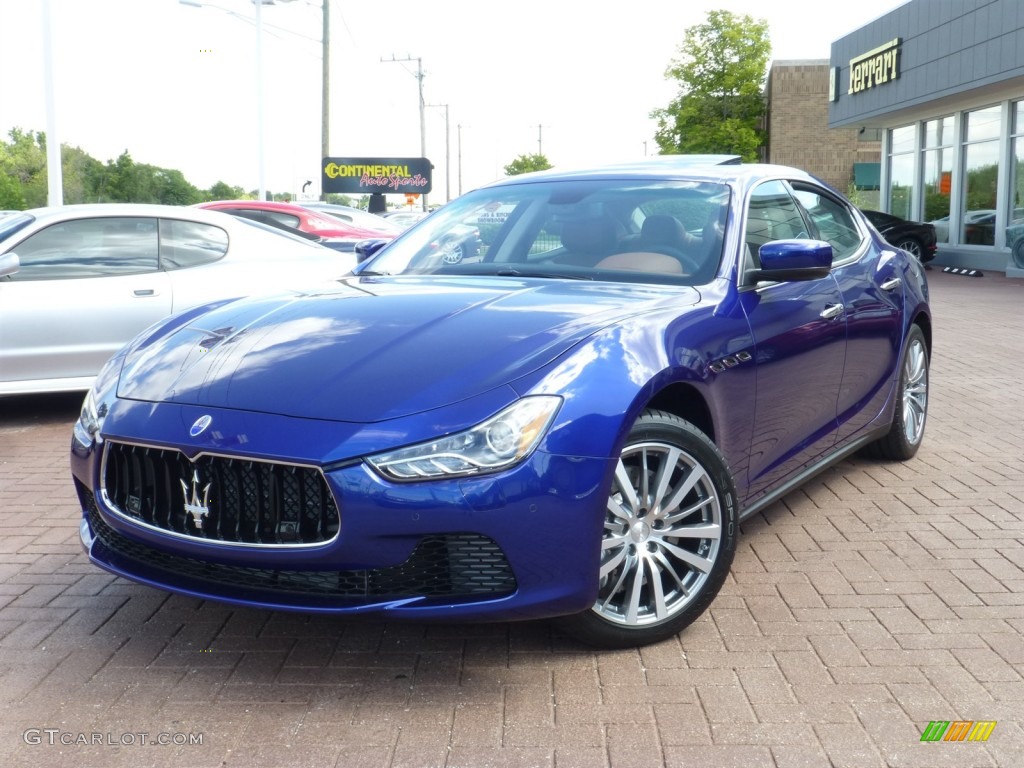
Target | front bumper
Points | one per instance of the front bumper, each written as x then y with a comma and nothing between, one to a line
523,544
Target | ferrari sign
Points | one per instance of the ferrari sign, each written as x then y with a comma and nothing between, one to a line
371,175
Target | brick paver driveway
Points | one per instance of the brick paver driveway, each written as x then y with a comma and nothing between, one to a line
876,600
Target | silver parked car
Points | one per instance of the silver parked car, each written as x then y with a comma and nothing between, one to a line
77,282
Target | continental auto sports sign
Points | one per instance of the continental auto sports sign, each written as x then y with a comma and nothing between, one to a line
369,175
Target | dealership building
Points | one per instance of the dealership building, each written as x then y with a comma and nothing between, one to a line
925,107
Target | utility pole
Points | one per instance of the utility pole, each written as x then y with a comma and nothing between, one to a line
447,155
540,139
423,126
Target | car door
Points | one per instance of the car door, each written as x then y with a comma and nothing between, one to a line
872,291
83,289
799,332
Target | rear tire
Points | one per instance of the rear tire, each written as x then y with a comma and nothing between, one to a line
913,247
669,536
908,420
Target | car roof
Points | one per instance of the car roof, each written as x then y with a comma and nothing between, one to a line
266,205
99,210
721,168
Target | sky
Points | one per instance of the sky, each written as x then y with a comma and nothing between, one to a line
176,85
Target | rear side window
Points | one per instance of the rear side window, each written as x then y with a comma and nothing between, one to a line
101,247
190,243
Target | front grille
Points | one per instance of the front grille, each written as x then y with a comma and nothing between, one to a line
223,499
447,566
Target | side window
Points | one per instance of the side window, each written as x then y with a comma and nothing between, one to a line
283,218
832,219
772,215
101,247
190,243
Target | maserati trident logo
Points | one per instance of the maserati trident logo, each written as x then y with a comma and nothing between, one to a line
193,506
200,425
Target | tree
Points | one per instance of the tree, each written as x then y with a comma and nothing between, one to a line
24,182
720,107
11,198
25,162
79,170
173,189
527,164
224,191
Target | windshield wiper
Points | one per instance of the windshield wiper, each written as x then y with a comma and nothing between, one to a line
509,272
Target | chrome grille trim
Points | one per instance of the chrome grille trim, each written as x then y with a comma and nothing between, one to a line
253,503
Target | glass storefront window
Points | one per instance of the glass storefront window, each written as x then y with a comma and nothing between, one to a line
901,170
938,133
1015,219
901,185
981,174
938,177
983,124
981,177
938,174
902,139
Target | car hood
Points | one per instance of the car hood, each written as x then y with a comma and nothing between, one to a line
370,349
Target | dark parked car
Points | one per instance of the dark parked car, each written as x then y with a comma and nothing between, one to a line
573,424
915,237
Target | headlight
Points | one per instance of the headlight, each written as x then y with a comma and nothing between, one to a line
87,429
96,403
91,419
498,443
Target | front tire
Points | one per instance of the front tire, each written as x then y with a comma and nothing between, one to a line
908,421
669,536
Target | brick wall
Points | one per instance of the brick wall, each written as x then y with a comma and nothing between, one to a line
798,125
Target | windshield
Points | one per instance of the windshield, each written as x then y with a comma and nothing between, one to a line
622,230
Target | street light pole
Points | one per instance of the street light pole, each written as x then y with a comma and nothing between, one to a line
325,94
260,109
260,106
54,170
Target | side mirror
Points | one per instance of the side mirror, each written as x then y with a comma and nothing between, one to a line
9,264
793,260
366,248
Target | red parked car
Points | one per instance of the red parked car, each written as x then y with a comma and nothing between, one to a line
333,232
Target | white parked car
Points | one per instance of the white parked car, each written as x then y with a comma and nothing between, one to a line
77,282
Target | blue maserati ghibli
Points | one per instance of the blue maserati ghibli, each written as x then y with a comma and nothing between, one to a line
568,423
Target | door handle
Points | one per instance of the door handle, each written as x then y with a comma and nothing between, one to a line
832,311
891,284
145,292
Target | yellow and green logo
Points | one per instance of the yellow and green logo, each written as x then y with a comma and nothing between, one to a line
958,730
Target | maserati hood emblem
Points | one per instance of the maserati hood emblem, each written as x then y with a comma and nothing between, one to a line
200,425
193,506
